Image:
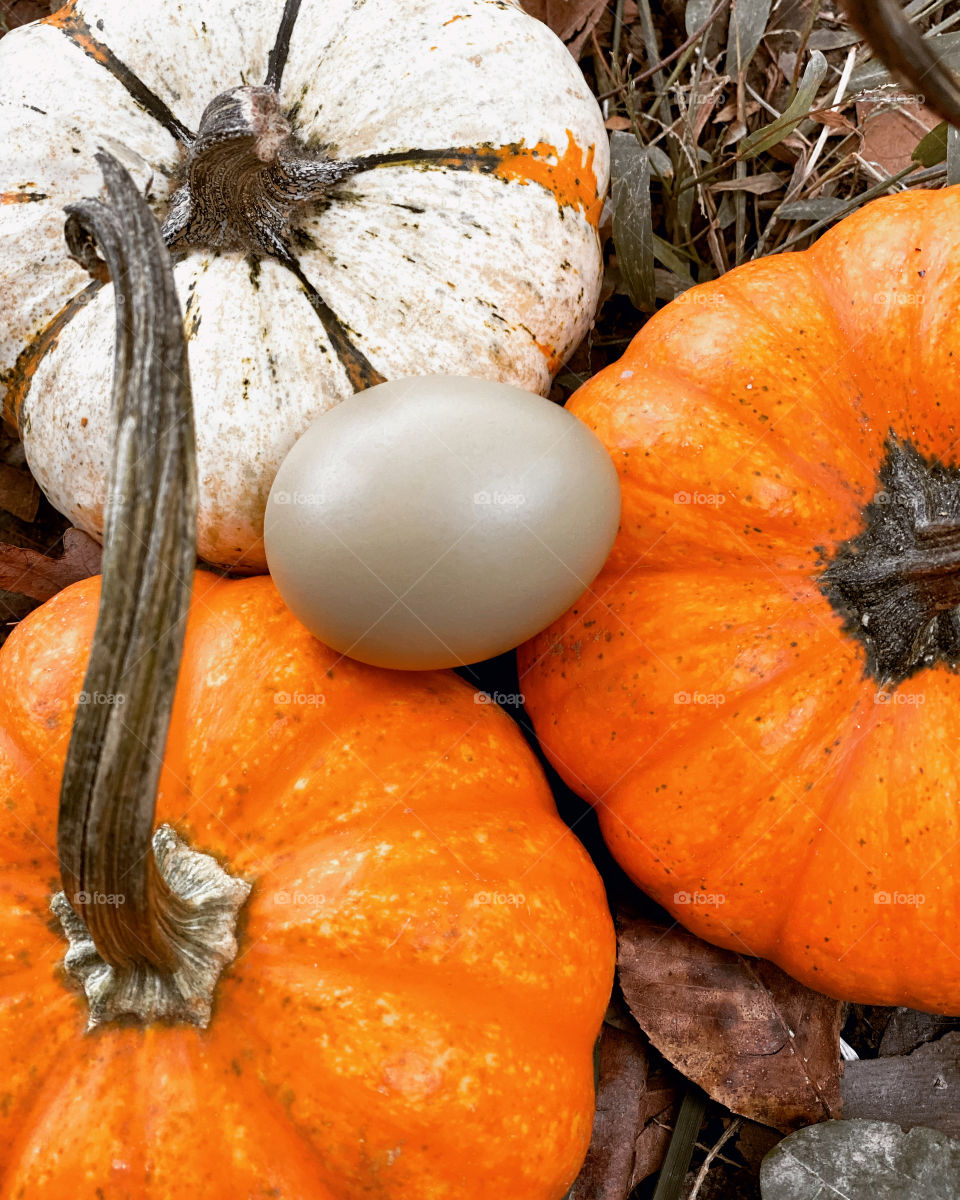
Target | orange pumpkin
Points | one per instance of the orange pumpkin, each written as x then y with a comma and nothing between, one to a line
760,691
424,961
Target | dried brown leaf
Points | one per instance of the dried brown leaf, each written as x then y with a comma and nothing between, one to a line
701,110
20,12
757,185
890,135
753,1038
19,493
833,120
729,111
38,576
567,17
631,1125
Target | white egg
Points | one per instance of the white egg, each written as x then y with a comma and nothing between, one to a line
437,520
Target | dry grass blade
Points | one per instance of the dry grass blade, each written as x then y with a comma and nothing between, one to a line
953,156
759,134
670,1184
571,20
633,218
774,133
748,23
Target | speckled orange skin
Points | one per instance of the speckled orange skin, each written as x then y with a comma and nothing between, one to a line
424,962
784,796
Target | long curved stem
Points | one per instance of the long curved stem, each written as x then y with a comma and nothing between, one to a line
116,749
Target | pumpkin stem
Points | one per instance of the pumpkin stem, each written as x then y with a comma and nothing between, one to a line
897,583
245,177
907,53
150,928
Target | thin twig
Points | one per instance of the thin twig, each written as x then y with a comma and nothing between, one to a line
725,1137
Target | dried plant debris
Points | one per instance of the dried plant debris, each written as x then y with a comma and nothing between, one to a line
19,494
753,1038
19,12
40,576
862,1160
753,126
573,21
31,541
907,53
636,1108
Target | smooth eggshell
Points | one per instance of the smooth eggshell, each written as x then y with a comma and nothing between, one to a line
435,521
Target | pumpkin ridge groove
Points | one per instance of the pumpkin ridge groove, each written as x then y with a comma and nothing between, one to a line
22,197
666,746
417,979
682,380
44,1085
513,160
527,1029
17,379
689,743
360,371
68,21
270,1094
280,51
835,791
484,158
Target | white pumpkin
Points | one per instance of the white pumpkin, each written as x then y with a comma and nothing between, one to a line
449,159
